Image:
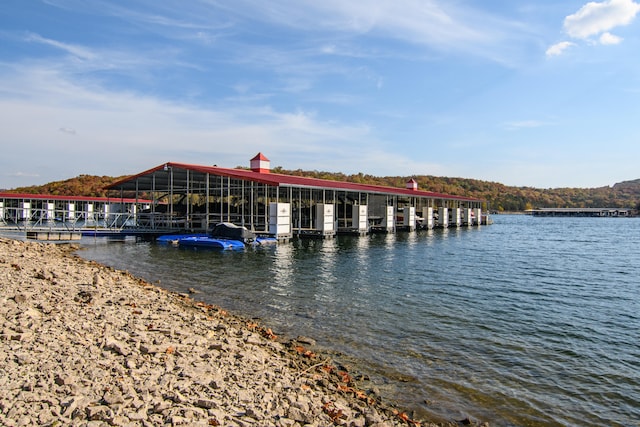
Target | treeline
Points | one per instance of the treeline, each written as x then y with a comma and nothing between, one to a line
82,185
499,197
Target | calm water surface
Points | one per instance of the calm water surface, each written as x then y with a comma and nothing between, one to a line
529,321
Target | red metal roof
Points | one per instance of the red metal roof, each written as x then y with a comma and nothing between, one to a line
275,179
261,156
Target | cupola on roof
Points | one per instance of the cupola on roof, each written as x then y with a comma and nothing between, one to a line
260,164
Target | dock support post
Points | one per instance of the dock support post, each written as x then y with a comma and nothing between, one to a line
477,212
389,219
427,214
454,217
466,216
409,217
443,217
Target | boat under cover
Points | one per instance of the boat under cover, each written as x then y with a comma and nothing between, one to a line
227,230
221,236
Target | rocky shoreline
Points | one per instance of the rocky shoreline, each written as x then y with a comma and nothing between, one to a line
85,345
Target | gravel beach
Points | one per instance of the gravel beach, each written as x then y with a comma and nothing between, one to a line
85,345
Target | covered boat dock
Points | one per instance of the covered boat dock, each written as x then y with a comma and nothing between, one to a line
57,217
187,197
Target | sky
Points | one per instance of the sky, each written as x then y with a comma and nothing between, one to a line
536,93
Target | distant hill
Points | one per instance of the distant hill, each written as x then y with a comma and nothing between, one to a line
499,197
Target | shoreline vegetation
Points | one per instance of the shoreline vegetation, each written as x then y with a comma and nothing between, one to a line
83,344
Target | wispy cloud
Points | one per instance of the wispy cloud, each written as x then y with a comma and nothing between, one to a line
68,131
525,124
438,25
78,51
559,48
84,61
21,174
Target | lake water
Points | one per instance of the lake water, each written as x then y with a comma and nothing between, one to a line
529,321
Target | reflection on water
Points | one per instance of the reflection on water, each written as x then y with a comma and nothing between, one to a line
527,322
282,268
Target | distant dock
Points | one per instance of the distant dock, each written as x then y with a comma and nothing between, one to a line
583,212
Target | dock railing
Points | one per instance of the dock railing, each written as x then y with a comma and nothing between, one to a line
42,219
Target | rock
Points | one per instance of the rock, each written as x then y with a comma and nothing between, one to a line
305,340
206,403
97,413
468,421
112,397
97,280
300,416
20,299
117,346
84,297
61,379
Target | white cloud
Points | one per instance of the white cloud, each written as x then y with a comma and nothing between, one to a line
608,38
595,18
559,48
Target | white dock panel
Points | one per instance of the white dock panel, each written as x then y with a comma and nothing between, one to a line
50,214
280,219
409,217
90,218
25,212
325,221
359,218
427,214
389,219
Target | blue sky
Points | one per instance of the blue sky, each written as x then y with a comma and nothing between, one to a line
528,93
